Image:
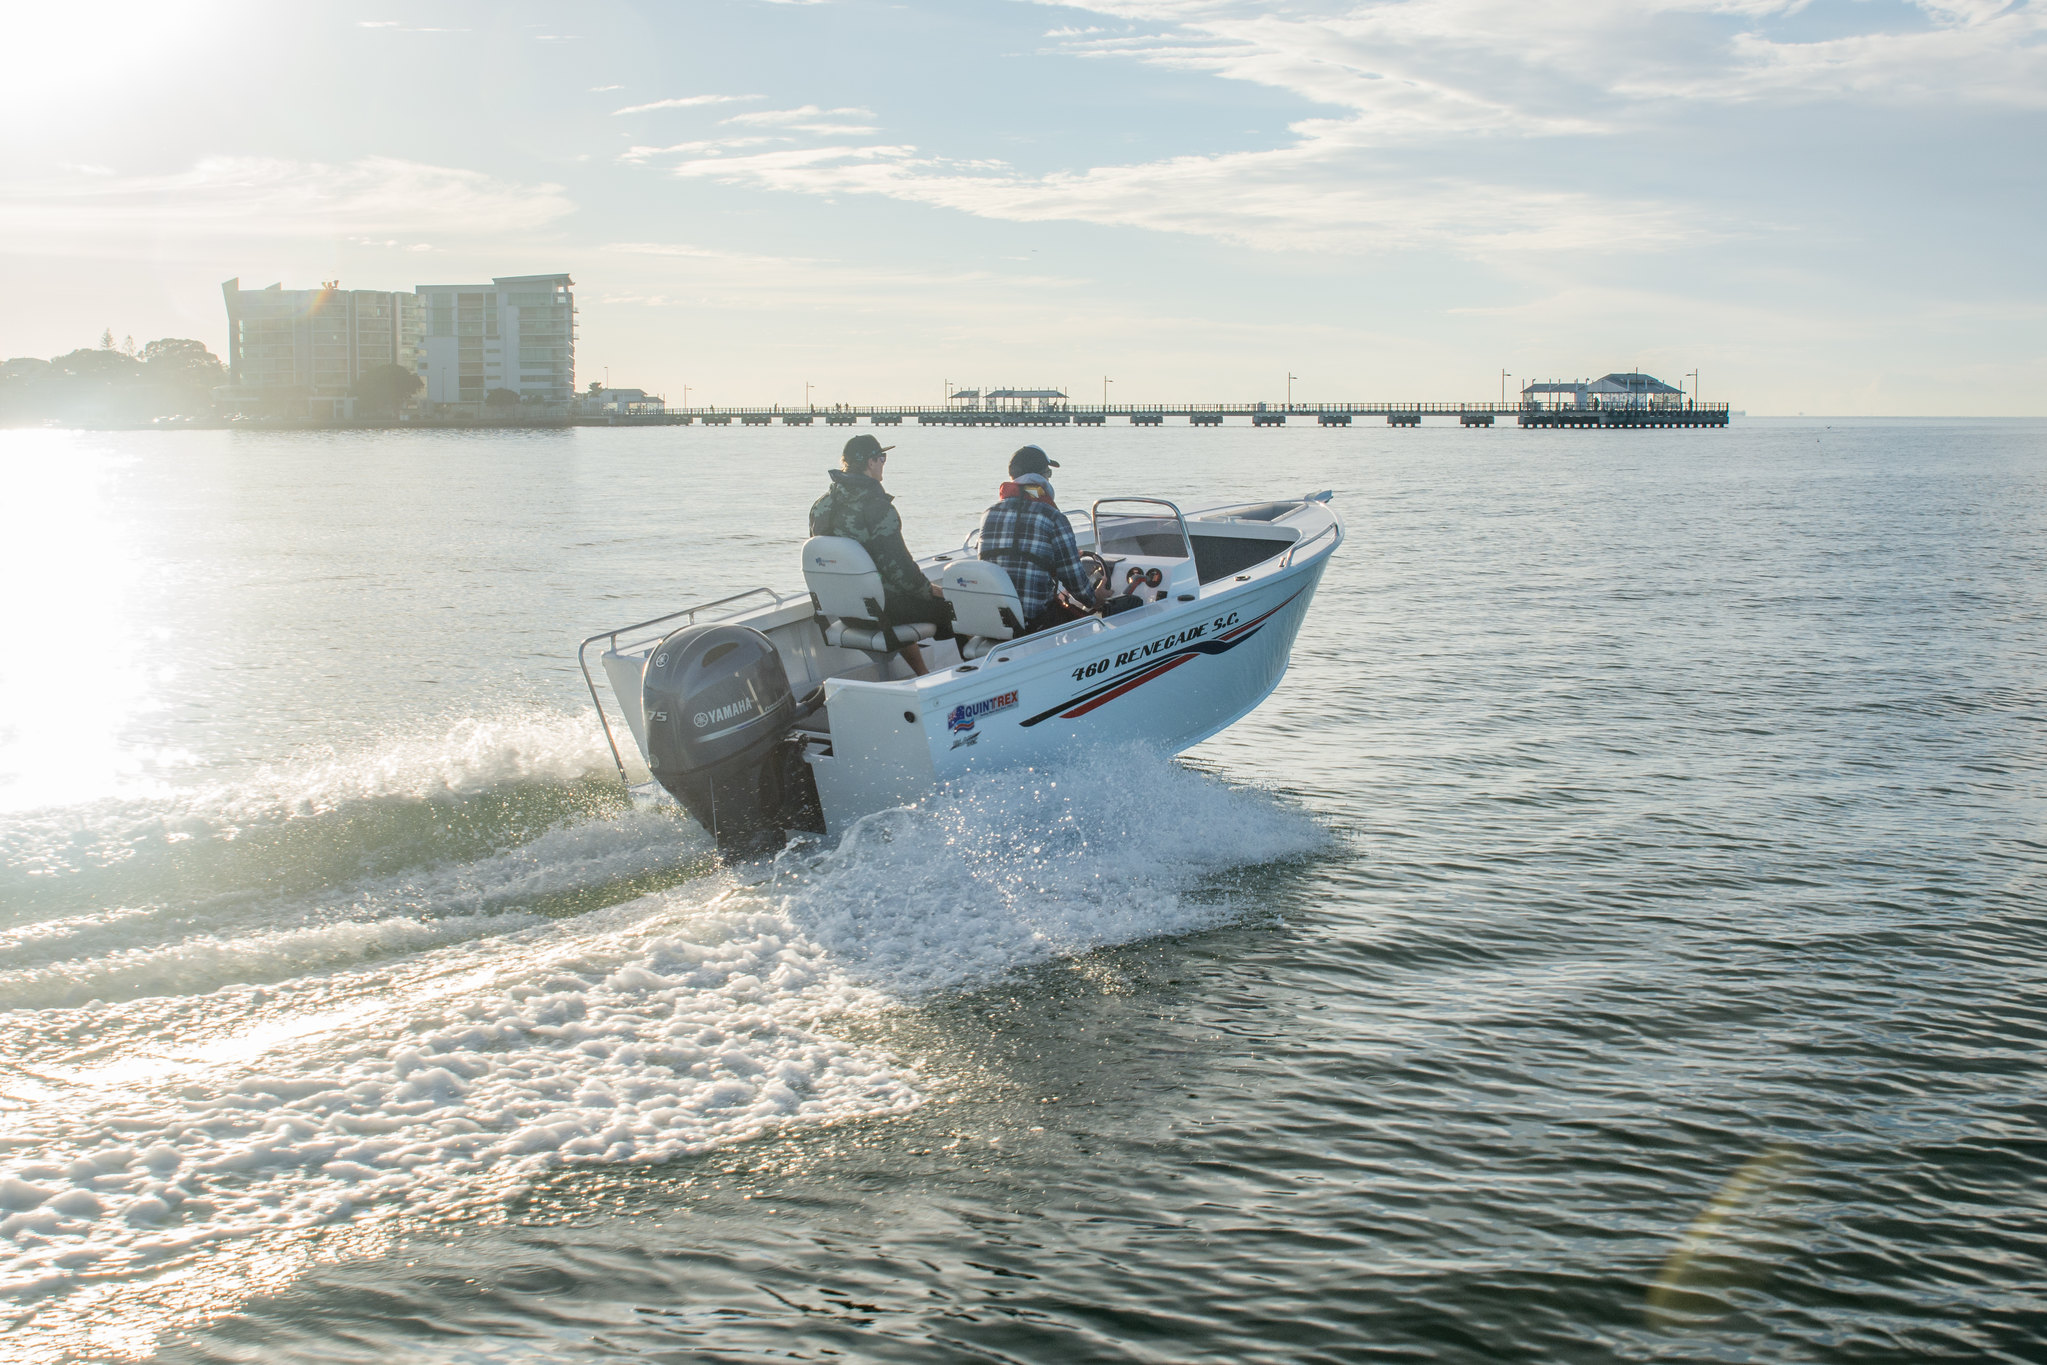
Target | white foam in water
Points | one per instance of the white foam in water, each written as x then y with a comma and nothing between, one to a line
669,1025
476,753
371,919
205,962
473,755
631,1043
1023,866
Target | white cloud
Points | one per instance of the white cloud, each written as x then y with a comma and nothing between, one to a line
810,119
681,102
701,146
781,125
751,279
1422,74
1309,197
704,253
391,244
1421,67
246,197
1997,59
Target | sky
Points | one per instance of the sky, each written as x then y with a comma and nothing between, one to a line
1832,206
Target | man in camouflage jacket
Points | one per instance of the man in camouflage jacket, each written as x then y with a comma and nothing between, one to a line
857,507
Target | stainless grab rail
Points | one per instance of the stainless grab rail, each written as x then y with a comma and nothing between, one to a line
1334,527
583,662
1095,515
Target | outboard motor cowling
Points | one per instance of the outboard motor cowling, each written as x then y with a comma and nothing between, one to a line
718,709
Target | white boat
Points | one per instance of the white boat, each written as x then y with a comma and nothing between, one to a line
776,711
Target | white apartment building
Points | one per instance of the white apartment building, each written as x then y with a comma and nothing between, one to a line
316,343
518,332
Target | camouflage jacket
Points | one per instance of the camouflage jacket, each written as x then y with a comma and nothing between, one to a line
858,508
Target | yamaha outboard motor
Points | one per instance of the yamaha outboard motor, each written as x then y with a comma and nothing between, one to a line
718,710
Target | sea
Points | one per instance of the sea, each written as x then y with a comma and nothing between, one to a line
1621,937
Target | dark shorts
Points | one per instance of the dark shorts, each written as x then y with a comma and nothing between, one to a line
928,609
1055,614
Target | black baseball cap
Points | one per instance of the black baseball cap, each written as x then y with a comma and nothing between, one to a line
863,448
1030,460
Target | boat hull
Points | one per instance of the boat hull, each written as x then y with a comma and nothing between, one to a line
1229,590
1166,682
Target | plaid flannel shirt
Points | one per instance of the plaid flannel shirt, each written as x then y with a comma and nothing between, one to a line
1018,527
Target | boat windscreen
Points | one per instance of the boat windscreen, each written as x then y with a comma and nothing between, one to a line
1151,537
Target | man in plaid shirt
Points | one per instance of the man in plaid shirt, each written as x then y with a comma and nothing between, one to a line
1032,540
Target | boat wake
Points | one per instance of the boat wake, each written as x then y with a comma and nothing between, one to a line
515,973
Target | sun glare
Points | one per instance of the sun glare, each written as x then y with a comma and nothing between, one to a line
76,574
57,67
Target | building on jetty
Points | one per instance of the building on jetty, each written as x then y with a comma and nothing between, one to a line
1629,399
1015,401
603,402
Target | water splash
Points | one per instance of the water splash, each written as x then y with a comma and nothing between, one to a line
270,1079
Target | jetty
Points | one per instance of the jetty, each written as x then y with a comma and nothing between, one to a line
1192,414
1614,402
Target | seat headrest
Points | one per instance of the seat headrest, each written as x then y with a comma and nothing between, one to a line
976,575
836,554
841,575
983,598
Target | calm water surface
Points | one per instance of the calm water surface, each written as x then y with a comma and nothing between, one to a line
1619,939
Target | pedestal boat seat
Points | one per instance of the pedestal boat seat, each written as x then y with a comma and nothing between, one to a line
987,611
847,589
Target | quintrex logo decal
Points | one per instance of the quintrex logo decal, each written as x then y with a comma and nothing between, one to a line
725,712
961,720
1154,660
963,717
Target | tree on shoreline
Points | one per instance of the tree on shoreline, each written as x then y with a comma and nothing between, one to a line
183,362
173,376
387,388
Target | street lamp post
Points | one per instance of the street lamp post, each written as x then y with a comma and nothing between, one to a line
807,387
1290,378
1504,377
1106,381
1694,377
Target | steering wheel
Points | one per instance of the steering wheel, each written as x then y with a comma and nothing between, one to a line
1097,569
